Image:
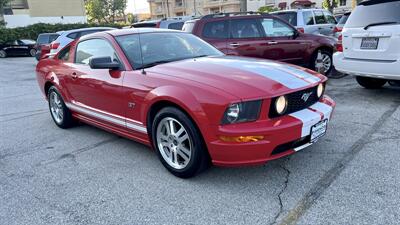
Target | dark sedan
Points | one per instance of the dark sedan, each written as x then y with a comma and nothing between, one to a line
18,48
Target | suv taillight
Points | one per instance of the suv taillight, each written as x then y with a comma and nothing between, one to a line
339,44
158,24
54,45
337,29
300,29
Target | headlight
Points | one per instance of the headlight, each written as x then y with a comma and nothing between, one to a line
242,112
320,90
281,105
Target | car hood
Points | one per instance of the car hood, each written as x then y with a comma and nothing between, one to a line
243,77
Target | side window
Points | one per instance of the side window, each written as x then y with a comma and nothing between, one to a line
73,35
64,54
94,48
245,28
308,18
276,28
319,17
53,37
217,29
11,43
329,18
176,26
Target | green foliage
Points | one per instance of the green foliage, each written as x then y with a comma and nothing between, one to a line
32,31
267,9
105,11
329,4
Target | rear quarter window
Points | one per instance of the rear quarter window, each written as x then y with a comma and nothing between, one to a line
73,35
369,13
216,29
176,26
43,39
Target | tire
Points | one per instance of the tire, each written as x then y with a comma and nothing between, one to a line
370,83
32,52
183,157
326,60
61,115
3,54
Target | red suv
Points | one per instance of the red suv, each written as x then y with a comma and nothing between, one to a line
262,36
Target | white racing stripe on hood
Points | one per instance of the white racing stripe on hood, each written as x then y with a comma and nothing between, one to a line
284,74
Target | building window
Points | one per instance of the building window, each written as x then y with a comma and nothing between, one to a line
342,2
178,3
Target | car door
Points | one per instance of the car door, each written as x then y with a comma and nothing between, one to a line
12,48
216,33
246,38
331,23
283,41
309,22
322,23
96,92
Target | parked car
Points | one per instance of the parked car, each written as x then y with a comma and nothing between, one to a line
67,37
310,21
193,106
262,36
175,23
20,47
43,42
339,26
369,46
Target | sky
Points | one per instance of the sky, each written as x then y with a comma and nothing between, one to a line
138,6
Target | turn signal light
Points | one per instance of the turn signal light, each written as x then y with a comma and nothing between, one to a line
241,139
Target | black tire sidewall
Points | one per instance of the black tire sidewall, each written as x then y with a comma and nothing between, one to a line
198,156
5,54
67,120
370,83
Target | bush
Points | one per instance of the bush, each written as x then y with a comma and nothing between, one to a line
32,31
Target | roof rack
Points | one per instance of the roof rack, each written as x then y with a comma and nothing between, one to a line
219,15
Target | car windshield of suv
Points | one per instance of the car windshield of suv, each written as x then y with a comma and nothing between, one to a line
368,14
290,17
158,48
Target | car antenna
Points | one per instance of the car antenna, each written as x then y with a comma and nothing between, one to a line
141,54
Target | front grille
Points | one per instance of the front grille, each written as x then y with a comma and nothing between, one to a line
296,101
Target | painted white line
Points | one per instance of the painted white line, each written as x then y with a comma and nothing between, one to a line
308,118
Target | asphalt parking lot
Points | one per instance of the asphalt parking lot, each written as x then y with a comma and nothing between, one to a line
85,175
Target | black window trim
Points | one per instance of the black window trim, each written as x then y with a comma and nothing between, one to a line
122,64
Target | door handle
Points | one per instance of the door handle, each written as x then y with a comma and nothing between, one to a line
74,75
272,42
234,44
320,28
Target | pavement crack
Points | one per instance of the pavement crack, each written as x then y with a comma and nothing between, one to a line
72,155
332,174
284,187
21,117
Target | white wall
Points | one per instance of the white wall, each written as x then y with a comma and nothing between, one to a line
25,20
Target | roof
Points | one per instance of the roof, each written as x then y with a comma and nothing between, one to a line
141,31
85,29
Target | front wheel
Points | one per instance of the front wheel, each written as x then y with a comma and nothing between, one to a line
370,83
178,143
326,61
59,112
3,54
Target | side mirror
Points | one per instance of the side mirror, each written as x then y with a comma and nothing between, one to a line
103,63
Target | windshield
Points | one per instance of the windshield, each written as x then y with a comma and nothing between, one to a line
364,15
157,48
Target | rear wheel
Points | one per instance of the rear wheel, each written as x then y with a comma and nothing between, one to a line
370,83
178,143
3,54
59,112
32,52
326,60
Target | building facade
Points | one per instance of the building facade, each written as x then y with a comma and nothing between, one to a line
173,8
21,13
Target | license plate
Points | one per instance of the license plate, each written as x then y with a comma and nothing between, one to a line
369,43
318,130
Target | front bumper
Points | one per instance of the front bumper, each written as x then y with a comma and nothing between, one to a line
282,136
384,69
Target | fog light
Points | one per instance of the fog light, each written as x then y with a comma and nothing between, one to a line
241,139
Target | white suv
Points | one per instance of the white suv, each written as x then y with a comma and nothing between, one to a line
369,46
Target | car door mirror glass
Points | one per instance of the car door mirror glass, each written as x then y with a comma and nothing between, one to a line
103,63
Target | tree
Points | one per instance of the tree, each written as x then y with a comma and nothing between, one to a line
105,11
329,4
267,9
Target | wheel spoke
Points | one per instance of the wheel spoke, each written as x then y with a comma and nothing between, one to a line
183,138
179,132
171,127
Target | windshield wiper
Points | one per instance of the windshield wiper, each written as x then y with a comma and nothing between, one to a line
199,56
377,24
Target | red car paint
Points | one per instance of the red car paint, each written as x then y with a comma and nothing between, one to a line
202,87
298,49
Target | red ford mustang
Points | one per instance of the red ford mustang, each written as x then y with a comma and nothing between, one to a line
194,105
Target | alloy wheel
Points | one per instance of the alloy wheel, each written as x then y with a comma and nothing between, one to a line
174,143
56,107
32,52
3,54
326,62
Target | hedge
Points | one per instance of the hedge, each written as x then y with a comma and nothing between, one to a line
32,31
